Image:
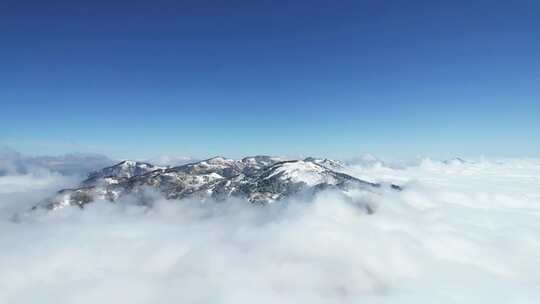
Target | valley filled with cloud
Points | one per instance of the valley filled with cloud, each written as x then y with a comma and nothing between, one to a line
458,232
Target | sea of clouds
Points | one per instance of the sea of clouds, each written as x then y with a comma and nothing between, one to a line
457,233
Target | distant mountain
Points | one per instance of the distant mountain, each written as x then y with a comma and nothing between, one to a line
257,179
171,160
15,163
367,161
455,161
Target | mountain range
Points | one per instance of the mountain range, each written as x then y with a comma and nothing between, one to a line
256,179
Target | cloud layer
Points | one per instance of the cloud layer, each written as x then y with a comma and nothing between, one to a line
458,233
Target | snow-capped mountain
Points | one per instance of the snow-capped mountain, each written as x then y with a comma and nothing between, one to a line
257,179
124,169
331,164
252,164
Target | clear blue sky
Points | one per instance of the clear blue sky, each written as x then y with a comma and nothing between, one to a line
331,78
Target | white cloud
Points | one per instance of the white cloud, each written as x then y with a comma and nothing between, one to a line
458,233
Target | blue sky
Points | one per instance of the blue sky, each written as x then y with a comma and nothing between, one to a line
330,78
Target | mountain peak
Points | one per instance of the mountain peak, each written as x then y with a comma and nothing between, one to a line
123,169
327,163
307,172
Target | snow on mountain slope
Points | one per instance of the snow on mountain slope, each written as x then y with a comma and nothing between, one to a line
225,167
327,163
124,169
307,172
288,178
252,164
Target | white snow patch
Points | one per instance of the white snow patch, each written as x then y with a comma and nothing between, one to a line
301,171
